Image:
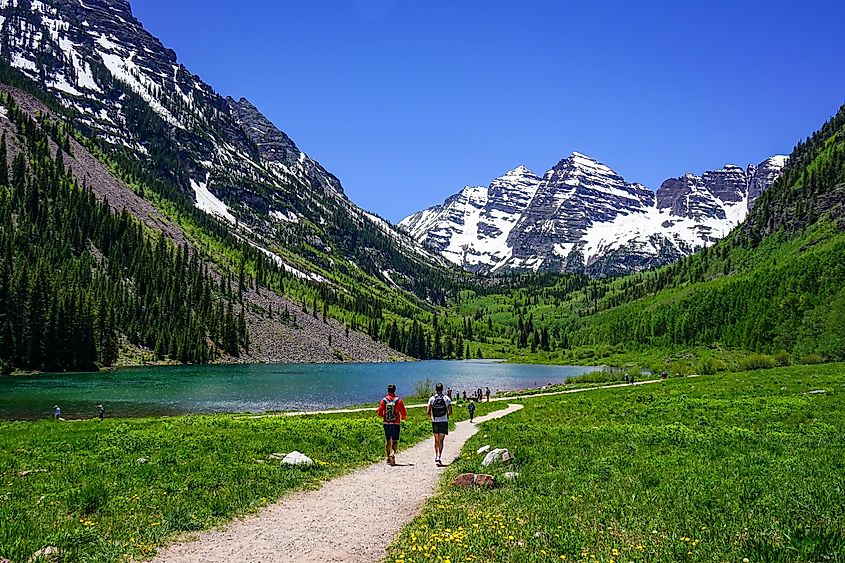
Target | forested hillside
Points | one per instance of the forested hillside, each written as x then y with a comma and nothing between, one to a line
76,277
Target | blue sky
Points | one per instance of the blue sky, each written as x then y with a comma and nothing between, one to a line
407,101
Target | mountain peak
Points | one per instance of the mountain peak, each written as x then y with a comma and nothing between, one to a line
518,171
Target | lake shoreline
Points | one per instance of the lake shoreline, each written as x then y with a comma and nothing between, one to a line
257,388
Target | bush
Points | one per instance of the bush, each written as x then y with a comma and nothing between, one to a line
709,366
782,358
811,359
756,361
680,368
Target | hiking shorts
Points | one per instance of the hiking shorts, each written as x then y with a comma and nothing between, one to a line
440,427
391,432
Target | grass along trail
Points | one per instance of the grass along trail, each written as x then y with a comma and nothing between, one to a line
351,518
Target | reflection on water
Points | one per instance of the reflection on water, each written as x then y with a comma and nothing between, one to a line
255,387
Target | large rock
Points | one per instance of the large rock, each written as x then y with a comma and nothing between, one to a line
297,458
483,449
49,553
474,479
493,456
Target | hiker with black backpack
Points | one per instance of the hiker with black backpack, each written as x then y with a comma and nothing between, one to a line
439,409
392,412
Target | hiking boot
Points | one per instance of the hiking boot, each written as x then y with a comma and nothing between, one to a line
391,460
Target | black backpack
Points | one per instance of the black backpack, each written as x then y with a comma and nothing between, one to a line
390,409
438,406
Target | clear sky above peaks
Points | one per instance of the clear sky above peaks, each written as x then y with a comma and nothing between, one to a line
408,101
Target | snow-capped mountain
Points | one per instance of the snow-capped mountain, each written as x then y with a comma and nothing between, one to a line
582,216
130,92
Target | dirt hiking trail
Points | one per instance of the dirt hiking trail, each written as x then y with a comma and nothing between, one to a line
344,520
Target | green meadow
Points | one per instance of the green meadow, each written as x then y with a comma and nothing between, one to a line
728,467
81,487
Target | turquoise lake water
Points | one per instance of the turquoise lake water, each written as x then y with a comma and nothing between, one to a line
255,387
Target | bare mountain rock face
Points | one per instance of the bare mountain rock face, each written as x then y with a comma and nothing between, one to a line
581,216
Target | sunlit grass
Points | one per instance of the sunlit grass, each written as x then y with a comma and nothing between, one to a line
122,488
717,468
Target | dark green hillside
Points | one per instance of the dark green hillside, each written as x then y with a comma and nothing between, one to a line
75,277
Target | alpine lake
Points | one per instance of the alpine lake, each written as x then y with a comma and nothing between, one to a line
256,388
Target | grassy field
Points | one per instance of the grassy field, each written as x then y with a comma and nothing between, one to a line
729,467
80,486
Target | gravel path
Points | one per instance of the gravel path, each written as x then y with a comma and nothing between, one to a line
344,520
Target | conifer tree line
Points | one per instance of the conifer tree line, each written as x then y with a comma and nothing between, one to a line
76,278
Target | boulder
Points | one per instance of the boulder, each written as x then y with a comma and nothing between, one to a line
483,480
49,553
483,449
463,480
474,479
297,458
499,454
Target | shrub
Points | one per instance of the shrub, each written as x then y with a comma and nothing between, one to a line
810,359
782,358
709,366
680,368
756,361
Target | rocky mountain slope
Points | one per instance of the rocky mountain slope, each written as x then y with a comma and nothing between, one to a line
131,92
581,216
217,176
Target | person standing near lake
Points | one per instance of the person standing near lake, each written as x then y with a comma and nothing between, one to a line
101,412
392,411
57,412
487,393
439,409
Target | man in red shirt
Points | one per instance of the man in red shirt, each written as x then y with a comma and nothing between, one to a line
392,412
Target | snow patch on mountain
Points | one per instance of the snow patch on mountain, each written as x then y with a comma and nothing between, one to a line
583,216
208,202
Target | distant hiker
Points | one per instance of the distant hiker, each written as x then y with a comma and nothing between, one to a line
471,408
478,394
392,412
626,378
631,379
449,392
439,409
101,412
57,412
664,375
487,393
465,395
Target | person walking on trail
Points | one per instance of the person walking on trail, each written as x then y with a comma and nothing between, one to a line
487,393
57,412
471,409
391,409
439,409
101,412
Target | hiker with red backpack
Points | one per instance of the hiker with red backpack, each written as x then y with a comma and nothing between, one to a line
439,409
391,409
